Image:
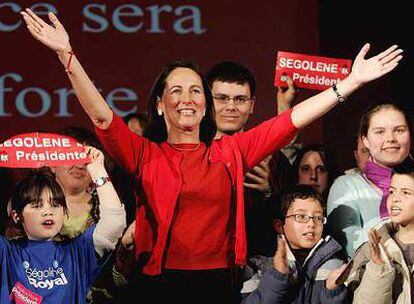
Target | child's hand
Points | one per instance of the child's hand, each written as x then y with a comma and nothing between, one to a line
96,167
280,260
374,241
129,237
333,276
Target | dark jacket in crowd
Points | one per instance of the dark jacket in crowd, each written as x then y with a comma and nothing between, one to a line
305,283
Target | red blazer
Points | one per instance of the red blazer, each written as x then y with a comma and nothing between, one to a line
156,169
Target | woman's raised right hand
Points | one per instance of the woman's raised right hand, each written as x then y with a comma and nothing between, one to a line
53,36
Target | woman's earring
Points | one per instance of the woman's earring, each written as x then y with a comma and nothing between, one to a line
204,112
159,111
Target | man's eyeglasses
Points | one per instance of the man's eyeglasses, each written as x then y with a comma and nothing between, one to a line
238,100
303,218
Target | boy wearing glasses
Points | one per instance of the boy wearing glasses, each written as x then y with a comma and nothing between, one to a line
306,267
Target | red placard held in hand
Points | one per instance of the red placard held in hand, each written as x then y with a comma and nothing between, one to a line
311,72
35,150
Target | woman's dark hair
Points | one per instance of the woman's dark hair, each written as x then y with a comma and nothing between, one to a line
375,108
326,157
156,129
29,190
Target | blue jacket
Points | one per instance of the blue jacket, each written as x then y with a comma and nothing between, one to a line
305,284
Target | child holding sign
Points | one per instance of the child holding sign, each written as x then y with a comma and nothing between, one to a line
37,269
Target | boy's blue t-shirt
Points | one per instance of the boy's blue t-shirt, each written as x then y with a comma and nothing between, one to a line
47,271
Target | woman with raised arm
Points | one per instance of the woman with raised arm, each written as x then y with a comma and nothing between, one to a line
190,229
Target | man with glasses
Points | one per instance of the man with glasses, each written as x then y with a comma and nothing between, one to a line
233,88
306,268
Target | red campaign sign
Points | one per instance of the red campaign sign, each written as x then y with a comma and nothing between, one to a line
310,72
22,295
35,150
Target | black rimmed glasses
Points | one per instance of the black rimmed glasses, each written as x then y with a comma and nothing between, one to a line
304,218
238,100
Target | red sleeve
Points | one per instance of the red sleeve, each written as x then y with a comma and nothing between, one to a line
122,144
266,138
